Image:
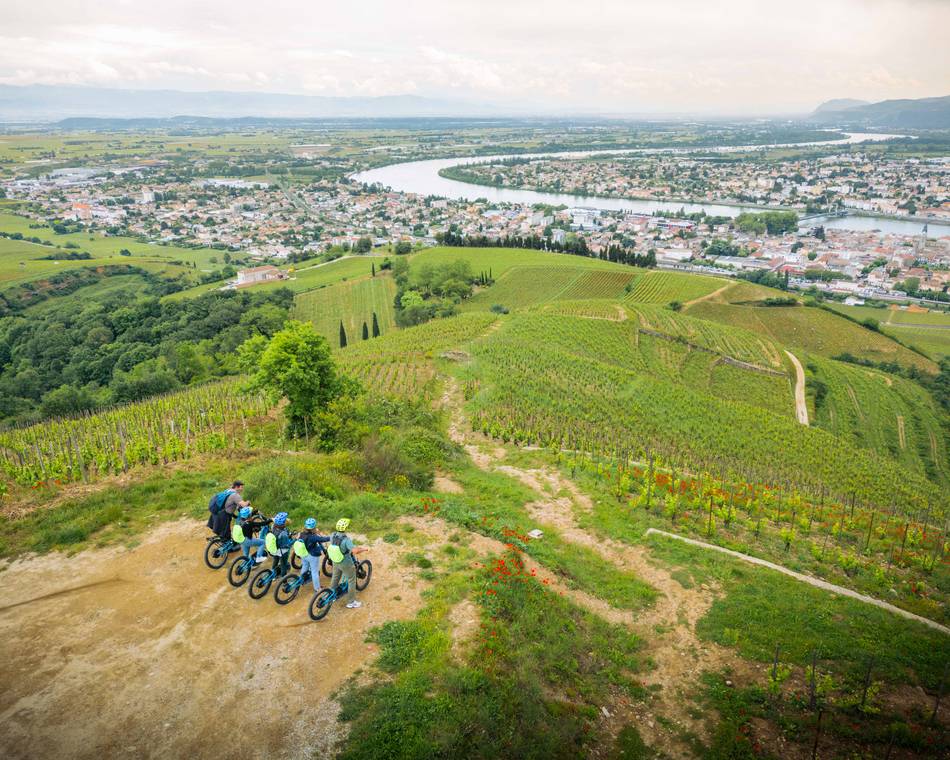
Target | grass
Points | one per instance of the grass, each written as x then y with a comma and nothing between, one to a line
522,286
500,260
530,686
352,303
760,609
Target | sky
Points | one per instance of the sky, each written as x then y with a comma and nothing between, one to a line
740,57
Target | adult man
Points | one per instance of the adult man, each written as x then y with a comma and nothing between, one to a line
224,506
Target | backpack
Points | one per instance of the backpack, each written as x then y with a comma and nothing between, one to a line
218,500
334,552
270,543
300,549
237,534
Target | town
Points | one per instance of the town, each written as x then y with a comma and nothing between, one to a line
265,223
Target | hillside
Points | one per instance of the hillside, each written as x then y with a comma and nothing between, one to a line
597,526
923,113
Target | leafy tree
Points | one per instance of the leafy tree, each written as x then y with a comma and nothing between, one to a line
403,247
295,364
364,245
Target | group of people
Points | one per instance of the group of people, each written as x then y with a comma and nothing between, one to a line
252,530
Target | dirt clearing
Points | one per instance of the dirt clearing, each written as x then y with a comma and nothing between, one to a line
147,652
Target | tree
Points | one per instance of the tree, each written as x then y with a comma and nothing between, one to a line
375,326
295,365
403,247
364,245
373,268
342,335
365,332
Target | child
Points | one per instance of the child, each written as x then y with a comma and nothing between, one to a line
278,542
309,548
244,530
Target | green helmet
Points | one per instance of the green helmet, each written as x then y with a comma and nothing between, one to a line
342,524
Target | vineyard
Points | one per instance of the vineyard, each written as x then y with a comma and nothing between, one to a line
880,552
591,385
811,330
527,286
664,287
352,303
159,430
887,414
404,362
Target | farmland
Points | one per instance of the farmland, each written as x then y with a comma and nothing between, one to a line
352,303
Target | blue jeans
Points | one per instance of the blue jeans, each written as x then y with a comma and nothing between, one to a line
249,543
312,564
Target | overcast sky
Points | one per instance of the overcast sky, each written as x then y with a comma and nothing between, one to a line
609,56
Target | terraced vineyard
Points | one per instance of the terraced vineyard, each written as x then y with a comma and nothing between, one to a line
813,331
665,287
883,413
403,362
593,385
352,303
521,286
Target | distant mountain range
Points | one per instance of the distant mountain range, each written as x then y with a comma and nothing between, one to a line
924,113
51,103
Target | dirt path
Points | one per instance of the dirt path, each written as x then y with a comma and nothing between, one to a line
145,651
668,627
801,409
709,296
816,582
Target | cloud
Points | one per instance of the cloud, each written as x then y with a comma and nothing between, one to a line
614,55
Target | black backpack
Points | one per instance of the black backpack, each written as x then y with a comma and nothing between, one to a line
218,501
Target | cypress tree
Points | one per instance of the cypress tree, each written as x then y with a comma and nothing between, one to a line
365,331
375,326
342,335
373,264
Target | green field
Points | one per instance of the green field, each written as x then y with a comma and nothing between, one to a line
352,303
523,286
20,261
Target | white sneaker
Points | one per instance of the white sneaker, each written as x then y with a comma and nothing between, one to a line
354,604
258,560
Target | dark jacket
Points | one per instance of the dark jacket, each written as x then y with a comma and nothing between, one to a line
314,543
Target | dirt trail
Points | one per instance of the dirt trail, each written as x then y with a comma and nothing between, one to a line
668,627
136,651
801,409
709,296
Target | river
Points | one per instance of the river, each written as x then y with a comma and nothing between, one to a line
422,178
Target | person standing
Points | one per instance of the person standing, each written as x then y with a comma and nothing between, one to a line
342,553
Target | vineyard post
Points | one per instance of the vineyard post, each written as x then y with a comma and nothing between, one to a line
650,485
852,505
943,678
709,523
867,542
867,682
938,549
82,462
812,694
814,748
904,541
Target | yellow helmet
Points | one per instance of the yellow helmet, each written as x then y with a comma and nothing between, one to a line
342,524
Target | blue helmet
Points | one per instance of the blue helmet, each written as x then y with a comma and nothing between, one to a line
280,518
310,523
244,513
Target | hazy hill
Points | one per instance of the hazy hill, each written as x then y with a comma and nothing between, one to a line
50,103
840,104
924,113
